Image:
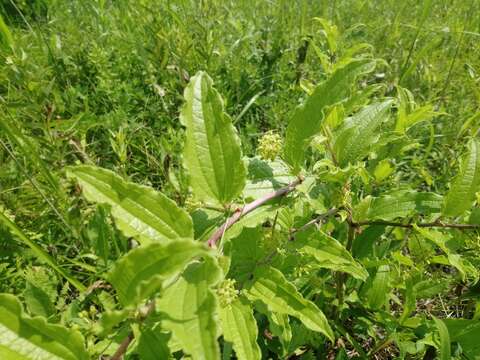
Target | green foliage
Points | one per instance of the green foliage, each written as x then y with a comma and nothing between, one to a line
22,336
307,119
240,328
466,184
399,204
320,201
270,286
212,152
142,271
330,254
189,307
354,139
139,211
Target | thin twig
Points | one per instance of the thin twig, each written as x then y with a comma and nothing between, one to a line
315,221
217,235
122,349
422,225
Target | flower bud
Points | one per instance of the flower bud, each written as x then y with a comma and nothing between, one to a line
269,146
226,292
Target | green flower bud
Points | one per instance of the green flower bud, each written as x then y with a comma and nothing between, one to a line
269,146
226,292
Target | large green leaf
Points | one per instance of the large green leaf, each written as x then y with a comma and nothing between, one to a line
307,119
271,287
265,176
444,346
358,133
280,326
330,254
462,192
398,204
142,271
377,289
153,344
240,328
25,338
212,151
466,333
245,250
139,211
189,306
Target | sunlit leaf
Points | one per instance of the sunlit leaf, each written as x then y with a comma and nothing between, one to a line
354,139
142,271
330,254
399,204
444,348
139,211
307,119
466,333
189,306
240,328
212,151
467,182
378,289
25,338
270,286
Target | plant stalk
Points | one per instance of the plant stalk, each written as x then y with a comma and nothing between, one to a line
218,234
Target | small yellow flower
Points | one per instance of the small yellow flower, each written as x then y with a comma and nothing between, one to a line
269,146
226,292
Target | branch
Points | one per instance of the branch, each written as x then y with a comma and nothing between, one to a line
422,225
315,221
217,235
122,349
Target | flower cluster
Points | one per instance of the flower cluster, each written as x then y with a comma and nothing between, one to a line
226,292
269,146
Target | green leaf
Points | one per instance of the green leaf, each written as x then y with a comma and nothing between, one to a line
41,254
100,234
6,39
245,250
23,338
265,177
383,170
378,289
398,204
466,333
139,211
40,291
153,344
212,152
462,192
330,254
189,306
444,349
28,149
354,139
141,272
364,244
307,119
280,326
272,288
110,319
240,328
